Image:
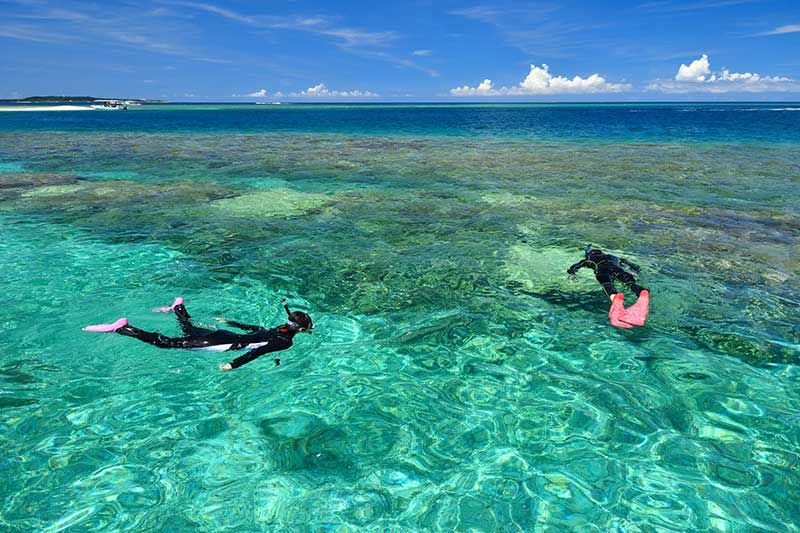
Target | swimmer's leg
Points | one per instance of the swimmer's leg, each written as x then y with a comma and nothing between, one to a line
637,313
157,339
107,328
604,279
185,322
628,279
616,312
617,309
169,308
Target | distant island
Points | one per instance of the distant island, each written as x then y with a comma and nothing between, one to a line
71,99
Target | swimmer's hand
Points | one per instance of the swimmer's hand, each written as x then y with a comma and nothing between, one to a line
220,319
225,367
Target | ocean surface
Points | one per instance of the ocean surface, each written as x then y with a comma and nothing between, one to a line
457,380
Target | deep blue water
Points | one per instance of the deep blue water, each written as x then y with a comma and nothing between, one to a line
745,122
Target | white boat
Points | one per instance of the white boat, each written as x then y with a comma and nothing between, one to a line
109,105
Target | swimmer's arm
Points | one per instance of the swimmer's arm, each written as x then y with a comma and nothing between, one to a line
273,346
245,327
633,266
577,266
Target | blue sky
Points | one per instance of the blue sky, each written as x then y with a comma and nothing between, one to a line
414,50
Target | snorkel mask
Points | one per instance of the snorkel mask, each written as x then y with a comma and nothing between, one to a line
294,319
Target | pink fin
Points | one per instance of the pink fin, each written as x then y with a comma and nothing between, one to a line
107,328
637,313
169,308
617,310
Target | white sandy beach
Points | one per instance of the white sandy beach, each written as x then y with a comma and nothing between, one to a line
46,108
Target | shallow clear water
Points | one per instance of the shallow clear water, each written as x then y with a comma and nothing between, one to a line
456,380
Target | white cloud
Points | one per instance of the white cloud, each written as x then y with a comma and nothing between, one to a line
536,28
355,41
354,38
540,81
346,37
696,71
261,93
25,32
421,53
790,28
221,11
666,6
321,91
485,88
151,30
698,77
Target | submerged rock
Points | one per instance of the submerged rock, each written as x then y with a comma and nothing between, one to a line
25,180
52,190
544,269
278,202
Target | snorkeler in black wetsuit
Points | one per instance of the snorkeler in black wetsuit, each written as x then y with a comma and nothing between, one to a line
258,340
608,268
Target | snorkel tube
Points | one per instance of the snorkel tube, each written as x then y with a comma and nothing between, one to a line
587,250
294,317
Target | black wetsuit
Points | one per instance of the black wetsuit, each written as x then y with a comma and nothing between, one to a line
607,268
259,340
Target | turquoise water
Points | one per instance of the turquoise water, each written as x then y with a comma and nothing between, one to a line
456,380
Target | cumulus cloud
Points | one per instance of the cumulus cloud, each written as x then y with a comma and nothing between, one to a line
321,91
697,76
696,71
540,81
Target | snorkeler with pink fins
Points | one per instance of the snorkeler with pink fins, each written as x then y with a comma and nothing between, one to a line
257,339
607,269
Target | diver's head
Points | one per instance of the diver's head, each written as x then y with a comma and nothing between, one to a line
298,321
589,251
